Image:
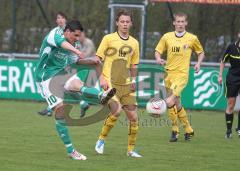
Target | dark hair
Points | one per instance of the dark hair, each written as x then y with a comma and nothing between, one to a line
180,14
73,25
61,14
123,12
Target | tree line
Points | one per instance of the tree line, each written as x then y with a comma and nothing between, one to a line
215,25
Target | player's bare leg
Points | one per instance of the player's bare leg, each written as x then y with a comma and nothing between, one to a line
77,85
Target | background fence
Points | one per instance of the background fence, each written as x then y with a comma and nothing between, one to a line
202,91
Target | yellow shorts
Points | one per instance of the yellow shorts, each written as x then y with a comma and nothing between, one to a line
124,95
175,82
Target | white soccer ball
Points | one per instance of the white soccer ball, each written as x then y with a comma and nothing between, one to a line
156,106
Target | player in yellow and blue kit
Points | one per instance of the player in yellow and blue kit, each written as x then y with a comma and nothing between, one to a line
179,45
119,53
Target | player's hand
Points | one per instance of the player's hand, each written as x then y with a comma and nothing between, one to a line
103,83
80,54
197,68
133,85
161,61
97,60
220,79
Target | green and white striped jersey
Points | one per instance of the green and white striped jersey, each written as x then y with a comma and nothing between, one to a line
53,58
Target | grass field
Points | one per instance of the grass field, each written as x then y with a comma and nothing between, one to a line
28,141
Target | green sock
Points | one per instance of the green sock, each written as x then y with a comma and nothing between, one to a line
63,134
90,92
49,109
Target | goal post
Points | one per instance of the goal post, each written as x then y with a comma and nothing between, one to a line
138,7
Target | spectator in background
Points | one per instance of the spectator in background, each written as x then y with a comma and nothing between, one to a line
61,20
232,55
86,45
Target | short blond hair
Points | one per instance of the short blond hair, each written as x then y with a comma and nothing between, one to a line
180,14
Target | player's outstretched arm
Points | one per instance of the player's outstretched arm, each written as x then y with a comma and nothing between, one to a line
66,45
94,61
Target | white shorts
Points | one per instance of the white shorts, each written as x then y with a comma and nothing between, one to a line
54,98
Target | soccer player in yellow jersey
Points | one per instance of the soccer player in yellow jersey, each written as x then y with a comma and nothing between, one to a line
119,53
179,45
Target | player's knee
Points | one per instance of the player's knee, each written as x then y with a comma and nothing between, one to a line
59,111
131,111
115,109
230,106
170,101
116,113
133,117
74,85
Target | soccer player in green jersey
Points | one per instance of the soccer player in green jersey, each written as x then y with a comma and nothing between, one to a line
61,20
55,55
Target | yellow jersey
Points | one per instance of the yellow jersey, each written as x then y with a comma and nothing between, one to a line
179,50
118,55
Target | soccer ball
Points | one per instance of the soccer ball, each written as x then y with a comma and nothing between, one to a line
156,107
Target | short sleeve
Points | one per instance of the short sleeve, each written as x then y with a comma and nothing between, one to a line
161,46
226,55
101,51
55,39
197,47
135,57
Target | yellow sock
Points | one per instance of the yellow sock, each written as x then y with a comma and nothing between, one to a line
132,135
108,124
182,115
173,117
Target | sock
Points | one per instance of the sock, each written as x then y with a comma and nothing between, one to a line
63,134
173,117
90,92
49,109
132,135
238,127
229,120
108,125
182,115
83,104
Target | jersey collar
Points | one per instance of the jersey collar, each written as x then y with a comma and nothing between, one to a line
179,35
122,37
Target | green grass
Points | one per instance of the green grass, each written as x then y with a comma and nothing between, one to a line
28,141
